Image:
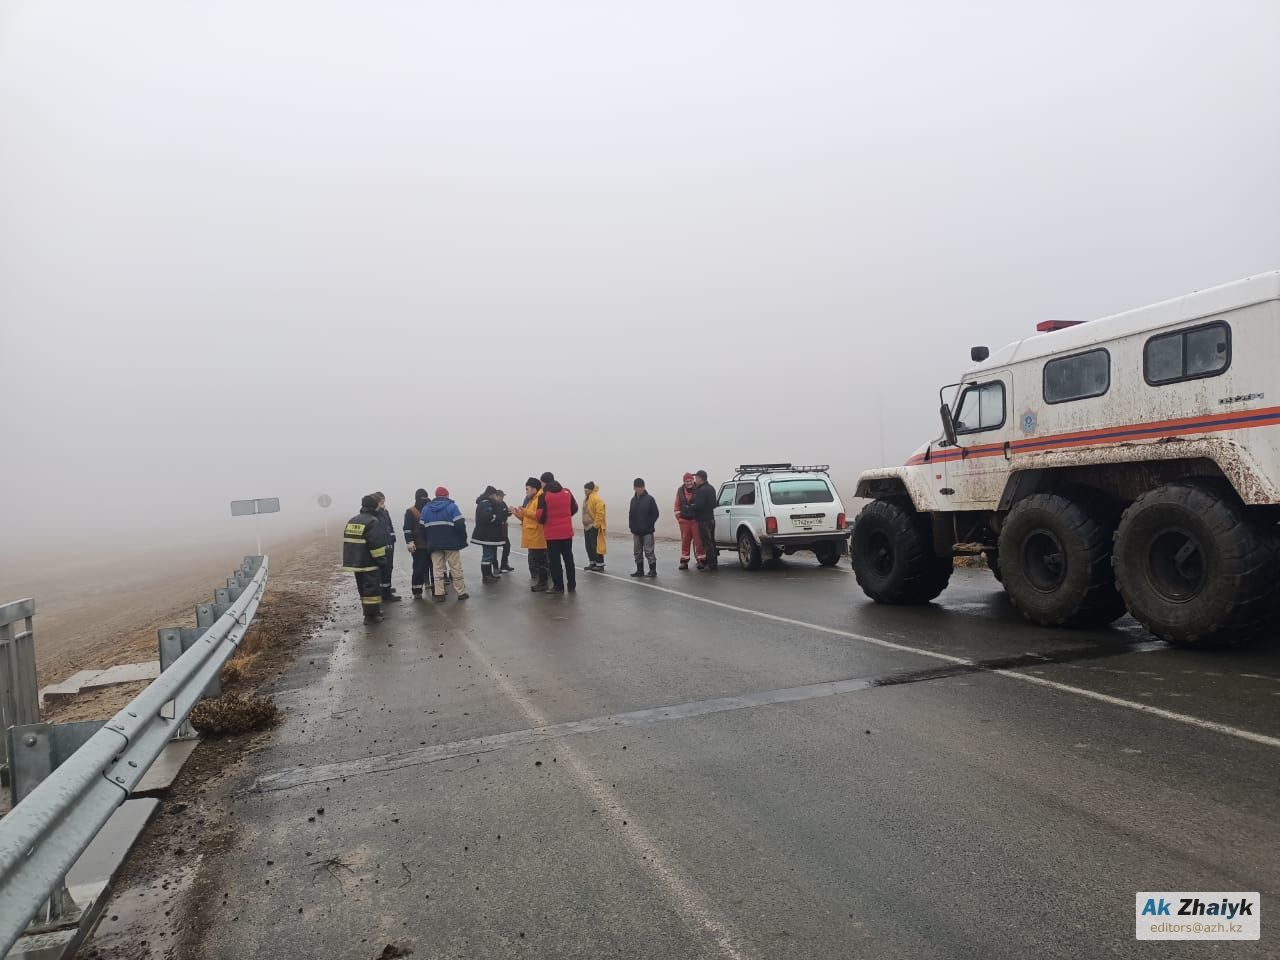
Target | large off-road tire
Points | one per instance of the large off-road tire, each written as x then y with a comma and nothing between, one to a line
1194,568
1055,561
893,558
828,554
749,556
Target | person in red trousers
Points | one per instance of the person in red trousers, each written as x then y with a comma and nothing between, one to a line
687,516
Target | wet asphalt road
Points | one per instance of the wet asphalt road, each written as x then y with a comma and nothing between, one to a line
974,787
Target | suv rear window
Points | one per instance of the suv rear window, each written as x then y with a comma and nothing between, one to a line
788,492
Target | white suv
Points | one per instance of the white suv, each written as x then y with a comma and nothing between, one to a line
771,509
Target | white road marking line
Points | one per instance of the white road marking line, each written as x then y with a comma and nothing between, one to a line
1242,734
1238,732
690,903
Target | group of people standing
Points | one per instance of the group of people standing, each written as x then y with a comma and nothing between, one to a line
435,533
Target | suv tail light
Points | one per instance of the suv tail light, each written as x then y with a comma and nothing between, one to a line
771,525
840,521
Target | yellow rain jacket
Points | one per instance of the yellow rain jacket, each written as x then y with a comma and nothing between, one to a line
532,534
594,509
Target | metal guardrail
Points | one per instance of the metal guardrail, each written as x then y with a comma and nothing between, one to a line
45,833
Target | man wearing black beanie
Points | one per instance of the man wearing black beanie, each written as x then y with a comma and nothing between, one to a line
415,539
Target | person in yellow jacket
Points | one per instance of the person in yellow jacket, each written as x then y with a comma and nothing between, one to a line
593,531
532,537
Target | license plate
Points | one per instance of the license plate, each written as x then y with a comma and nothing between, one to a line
807,523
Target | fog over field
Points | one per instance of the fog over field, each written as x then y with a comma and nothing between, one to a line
284,248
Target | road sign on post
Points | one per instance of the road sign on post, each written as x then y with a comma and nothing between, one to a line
245,508
325,502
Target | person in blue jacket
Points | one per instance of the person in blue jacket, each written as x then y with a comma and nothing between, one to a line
446,531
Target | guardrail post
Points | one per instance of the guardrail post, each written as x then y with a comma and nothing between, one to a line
174,642
19,695
35,751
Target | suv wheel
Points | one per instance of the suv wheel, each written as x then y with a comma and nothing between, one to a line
1194,569
748,551
893,556
1055,562
828,554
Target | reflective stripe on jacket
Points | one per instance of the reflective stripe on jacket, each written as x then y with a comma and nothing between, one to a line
364,544
444,524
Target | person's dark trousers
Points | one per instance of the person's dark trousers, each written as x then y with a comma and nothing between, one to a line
506,555
589,539
421,571
538,568
369,585
708,528
560,556
386,573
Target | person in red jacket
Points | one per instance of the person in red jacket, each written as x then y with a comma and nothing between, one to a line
556,513
687,516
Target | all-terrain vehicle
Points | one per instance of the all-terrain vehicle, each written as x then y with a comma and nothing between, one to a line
1131,462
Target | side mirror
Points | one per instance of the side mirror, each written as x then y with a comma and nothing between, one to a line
948,425
978,354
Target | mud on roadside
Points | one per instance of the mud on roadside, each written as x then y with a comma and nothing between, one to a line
167,886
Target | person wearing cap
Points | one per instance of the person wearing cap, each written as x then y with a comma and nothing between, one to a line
704,506
532,536
415,538
556,514
491,517
389,594
446,538
593,533
687,517
505,566
642,518
364,553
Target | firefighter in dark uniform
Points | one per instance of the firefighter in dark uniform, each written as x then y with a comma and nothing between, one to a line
364,553
389,594
415,538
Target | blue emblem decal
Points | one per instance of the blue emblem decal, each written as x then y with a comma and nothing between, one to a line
1029,422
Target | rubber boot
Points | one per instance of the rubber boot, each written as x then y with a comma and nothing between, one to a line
684,564
639,569
486,573
417,593
539,585
653,569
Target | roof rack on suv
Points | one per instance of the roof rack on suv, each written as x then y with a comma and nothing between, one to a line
780,468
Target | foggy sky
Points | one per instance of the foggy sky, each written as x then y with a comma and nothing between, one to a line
279,248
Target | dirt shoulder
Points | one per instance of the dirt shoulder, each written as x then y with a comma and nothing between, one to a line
166,875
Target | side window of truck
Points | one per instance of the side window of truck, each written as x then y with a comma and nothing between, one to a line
726,494
981,407
1189,354
1077,377
746,495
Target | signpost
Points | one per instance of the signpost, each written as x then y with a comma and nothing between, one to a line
244,508
325,502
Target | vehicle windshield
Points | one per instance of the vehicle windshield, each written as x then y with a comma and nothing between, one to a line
786,492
